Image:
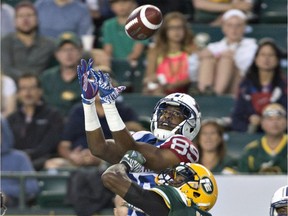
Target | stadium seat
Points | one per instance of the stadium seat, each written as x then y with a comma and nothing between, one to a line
215,106
210,106
258,31
129,76
142,104
52,192
236,141
273,11
214,32
204,17
276,31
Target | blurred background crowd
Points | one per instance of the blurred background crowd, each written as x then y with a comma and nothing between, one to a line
230,55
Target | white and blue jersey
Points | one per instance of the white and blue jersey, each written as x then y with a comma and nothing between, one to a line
179,144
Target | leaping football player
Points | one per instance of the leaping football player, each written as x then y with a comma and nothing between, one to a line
174,124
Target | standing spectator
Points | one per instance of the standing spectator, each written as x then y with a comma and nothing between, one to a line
58,16
65,91
269,154
7,19
25,50
212,148
14,161
262,85
8,95
167,62
223,63
36,126
213,10
116,43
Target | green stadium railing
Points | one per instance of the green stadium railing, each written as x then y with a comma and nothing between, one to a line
22,176
48,192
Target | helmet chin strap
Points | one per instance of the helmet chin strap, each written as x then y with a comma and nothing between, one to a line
163,134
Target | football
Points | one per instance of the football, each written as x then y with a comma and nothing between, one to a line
143,22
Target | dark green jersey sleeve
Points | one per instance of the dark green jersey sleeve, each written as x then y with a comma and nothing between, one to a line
177,205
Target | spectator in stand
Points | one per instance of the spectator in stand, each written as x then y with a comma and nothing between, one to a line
65,91
263,84
223,63
8,95
7,19
25,50
213,10
268,154
64,15
212,148
116,44
168,60
14,161
36,126
73,147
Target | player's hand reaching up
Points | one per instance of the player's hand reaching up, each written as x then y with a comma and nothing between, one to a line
108,93
133,160
88,80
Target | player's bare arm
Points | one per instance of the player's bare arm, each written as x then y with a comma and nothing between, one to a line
104,149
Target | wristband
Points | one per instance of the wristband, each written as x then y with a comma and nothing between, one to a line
91,118
87,101
113,118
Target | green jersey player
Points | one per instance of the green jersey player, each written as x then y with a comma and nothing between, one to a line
186,189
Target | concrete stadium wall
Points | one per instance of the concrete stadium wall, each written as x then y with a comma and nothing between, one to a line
247,195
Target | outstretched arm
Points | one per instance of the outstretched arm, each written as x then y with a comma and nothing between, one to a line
116,180
104,149
157,159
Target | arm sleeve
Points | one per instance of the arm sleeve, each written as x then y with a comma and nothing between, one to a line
150,202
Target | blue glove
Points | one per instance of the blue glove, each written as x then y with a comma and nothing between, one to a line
88,80
108,93
133,160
